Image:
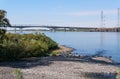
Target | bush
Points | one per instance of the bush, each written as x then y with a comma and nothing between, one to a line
16,46
10,50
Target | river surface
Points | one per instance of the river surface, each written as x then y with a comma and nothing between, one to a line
89,43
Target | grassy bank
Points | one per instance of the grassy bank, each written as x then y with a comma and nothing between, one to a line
16,46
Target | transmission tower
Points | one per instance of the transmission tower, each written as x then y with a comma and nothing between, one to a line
118,18
102,19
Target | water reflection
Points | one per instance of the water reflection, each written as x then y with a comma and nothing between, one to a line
102,43
118,41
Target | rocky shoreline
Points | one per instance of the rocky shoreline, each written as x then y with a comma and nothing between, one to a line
63,66
66,52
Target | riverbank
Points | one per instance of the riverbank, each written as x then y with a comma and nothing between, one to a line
61,67
63,50
66,52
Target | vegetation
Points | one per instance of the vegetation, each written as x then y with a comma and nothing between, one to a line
16,46
18,74
4,22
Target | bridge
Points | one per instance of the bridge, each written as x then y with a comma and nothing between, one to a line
52,28
68,28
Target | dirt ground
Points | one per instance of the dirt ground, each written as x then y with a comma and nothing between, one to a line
61,67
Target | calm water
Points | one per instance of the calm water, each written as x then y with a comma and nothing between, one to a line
90,43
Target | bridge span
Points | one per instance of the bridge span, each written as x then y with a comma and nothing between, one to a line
54,28
42,26
68,28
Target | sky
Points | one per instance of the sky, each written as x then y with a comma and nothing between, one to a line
82,13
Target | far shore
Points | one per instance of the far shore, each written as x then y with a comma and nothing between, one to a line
63,66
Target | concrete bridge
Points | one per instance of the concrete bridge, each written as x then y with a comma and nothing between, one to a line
53,28
68,28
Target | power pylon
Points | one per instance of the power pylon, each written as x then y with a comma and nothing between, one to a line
118,23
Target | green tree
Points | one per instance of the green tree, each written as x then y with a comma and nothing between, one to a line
4,22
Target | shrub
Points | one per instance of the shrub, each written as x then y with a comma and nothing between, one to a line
10,50
16,46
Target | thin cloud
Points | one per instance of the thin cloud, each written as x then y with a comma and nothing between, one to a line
111,12
92,13
85,13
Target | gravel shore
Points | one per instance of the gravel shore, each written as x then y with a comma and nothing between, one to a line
61,67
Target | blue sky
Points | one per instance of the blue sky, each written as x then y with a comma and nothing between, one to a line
61,12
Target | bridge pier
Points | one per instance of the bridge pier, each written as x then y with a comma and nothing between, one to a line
15,29
65,29
21,30
72,29
53,29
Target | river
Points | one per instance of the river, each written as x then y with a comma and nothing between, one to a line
89,43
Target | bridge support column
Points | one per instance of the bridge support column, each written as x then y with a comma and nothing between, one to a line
65,29
15,29
21,30
53,29
72,29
